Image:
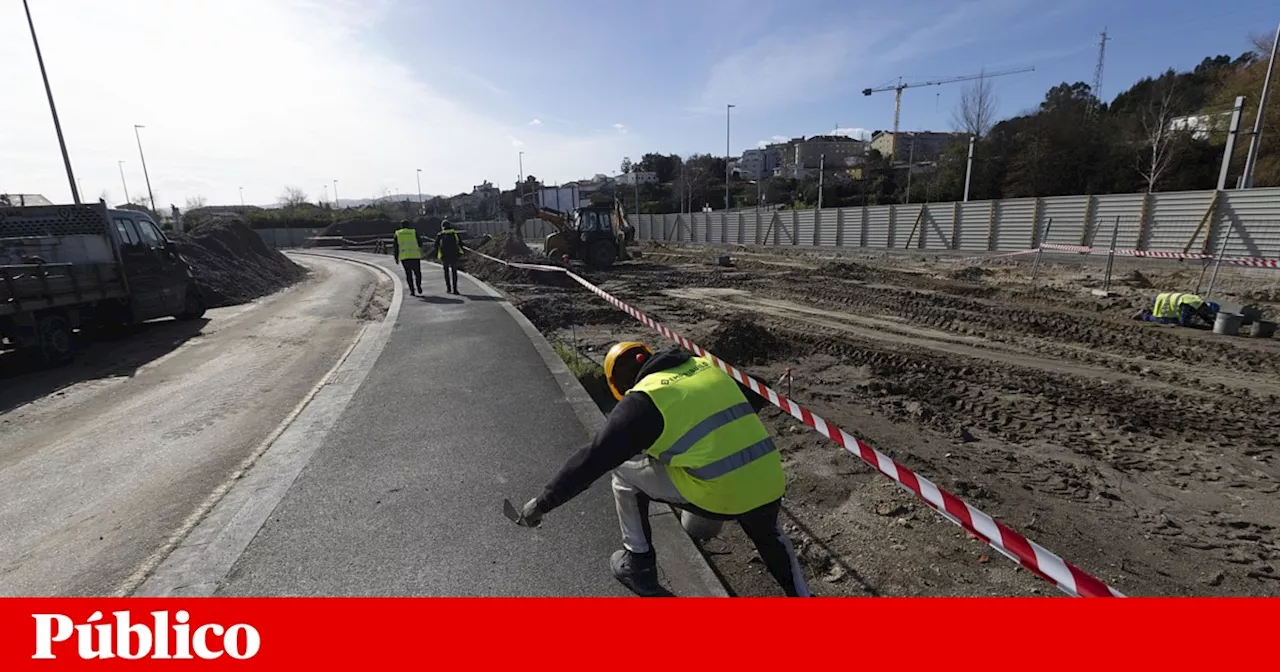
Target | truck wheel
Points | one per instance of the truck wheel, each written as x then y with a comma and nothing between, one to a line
194,308
56,342
602,255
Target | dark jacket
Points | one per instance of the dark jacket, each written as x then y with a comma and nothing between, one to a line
448,246
631,428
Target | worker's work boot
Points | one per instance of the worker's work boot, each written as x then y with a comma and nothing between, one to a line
637,571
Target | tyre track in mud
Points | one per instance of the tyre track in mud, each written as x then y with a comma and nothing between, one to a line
1171,485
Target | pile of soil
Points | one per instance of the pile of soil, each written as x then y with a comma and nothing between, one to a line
846,270
507,246
969,274
741,339
232,264
1137,280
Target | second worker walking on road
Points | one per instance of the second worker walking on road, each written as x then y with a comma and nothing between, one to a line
408,251
449,251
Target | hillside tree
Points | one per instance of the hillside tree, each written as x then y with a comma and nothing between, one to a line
976,112
293,197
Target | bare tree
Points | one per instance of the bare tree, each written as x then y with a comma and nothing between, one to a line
195,202
293,197
976,112
1158,133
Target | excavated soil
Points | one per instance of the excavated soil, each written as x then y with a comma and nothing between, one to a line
1144,454
232,265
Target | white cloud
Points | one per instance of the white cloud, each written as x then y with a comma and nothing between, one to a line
621,128
536,122
253,93
773,140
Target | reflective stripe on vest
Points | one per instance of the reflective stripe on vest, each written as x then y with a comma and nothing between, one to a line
407,240
713,446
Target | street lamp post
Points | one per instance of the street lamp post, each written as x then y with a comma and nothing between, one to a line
150,195
123,185
242,197
53,110
335,194
727,108
421,208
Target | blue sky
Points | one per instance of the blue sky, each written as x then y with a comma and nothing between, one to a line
367,92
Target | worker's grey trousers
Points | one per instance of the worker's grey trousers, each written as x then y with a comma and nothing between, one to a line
642,479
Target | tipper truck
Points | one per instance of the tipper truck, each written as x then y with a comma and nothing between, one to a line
65,267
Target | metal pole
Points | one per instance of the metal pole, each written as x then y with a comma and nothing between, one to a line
1217,264
822,166
910,162
727,204
1231,142
421,208
122,182
1111,256
1035,268
968,171
53,110
150,195
1255,140
335,193
242,197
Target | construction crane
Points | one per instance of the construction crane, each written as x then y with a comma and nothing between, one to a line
897,105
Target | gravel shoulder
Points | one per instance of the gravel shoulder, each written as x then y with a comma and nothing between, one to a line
100,463
1144,454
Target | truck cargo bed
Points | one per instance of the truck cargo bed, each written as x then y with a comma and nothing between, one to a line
29,287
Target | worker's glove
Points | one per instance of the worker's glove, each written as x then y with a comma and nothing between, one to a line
530,516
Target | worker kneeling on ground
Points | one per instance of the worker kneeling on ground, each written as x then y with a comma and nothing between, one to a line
683,433
1180,309
408,251
448,249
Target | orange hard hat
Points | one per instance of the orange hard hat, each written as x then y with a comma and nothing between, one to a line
622,365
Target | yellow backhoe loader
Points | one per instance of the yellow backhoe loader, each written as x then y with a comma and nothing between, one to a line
595,234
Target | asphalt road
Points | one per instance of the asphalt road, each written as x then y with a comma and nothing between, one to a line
404,495
97,473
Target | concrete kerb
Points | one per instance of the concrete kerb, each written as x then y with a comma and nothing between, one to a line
676,547
201,554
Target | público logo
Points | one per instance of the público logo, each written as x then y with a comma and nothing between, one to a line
164,638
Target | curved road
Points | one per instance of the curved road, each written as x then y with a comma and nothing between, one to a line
97,474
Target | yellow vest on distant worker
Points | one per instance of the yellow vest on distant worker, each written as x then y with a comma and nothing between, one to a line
407,239
1169,304
456,238
714,447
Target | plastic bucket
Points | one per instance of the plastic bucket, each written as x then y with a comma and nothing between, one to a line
1263,329
1227,324
699,527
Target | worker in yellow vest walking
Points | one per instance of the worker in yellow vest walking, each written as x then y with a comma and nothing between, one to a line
408,251
449,250
686,434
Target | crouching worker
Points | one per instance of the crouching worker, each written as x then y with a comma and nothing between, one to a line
1181,309
686,434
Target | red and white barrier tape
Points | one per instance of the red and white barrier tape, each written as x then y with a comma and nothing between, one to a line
1256,262
1030,555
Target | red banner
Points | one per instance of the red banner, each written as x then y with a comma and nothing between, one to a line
706,634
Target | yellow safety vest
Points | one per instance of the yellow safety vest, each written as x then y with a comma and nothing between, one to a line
715,449
1169,304
440,248
407,239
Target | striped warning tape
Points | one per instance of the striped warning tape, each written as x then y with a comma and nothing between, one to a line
1028,554
1256,262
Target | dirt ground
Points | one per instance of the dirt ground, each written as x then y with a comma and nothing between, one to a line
1142,453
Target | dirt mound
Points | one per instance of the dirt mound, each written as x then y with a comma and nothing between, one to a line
740,339
1136,279
232,265
507,246
845,269
969,274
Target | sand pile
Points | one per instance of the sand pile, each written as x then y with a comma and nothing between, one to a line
740,339
232,265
